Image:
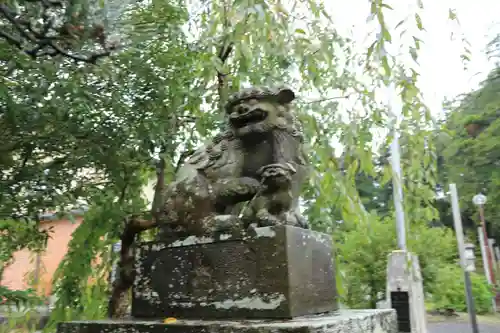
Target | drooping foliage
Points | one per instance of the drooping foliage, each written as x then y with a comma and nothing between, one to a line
16,236
74,132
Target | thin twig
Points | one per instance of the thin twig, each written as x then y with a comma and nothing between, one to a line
327,99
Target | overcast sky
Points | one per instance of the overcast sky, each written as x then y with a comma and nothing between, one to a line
442,71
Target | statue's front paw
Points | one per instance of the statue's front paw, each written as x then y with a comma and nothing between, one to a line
226,223
244,188
266,219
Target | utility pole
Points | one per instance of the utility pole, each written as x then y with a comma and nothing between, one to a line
457,220
480,200
397,189
405,291
397,177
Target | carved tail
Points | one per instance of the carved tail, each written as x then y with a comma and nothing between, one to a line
118,302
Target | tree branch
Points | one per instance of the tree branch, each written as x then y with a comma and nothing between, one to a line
44,43
223,55
182,158
11,39
160,186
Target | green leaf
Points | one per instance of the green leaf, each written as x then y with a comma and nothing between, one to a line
414,54
370,50
387,35
417,42
452,14
399,24
387,68
418,20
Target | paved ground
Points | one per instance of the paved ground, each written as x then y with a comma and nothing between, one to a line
462,328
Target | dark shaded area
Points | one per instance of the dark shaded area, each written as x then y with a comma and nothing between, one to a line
400,302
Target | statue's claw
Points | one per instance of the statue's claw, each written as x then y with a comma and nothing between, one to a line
294,218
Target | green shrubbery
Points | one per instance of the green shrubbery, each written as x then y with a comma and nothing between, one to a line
363,251
362,256
19,298
448,290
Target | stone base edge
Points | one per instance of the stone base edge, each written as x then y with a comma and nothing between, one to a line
343,321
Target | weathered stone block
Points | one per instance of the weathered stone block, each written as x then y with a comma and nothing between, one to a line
405,291
274,272
345,321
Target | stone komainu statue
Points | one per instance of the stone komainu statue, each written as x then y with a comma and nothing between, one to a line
250,175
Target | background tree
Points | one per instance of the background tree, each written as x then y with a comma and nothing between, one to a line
470,149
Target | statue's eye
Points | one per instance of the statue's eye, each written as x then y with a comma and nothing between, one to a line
239,109
242,108
233,109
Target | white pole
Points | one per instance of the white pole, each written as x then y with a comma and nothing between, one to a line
457,220
397,184
491,243
398,192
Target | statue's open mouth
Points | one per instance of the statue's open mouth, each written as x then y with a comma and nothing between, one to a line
247,118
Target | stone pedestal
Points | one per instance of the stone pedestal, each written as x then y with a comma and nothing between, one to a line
405,292
345,321
272,272
273,279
